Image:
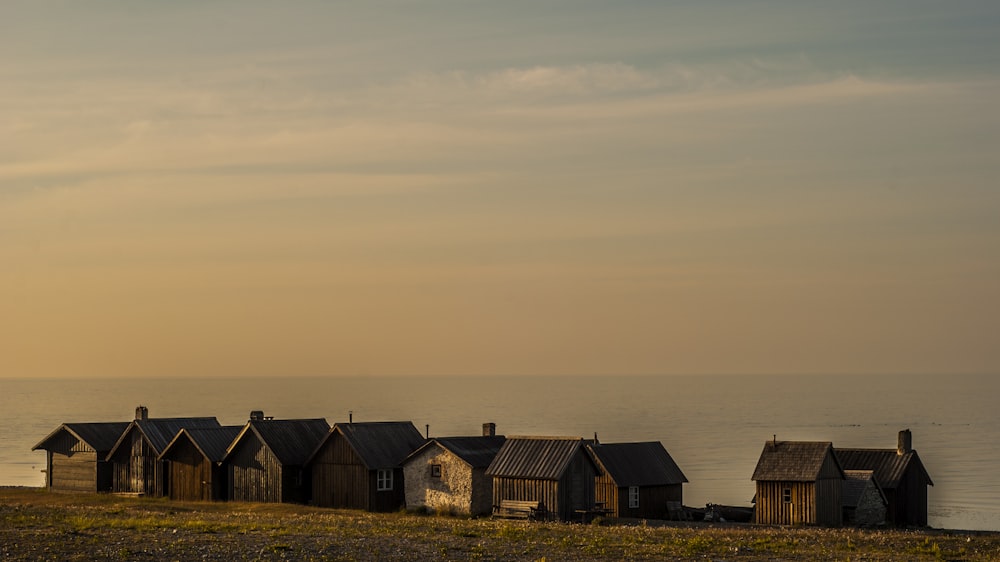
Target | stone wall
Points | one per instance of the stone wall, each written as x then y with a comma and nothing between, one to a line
452,491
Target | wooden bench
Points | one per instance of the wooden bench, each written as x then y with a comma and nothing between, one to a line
519,509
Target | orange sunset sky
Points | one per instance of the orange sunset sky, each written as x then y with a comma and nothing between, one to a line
461,188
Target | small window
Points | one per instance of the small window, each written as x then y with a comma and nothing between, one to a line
633,497
786,495
435,471
384,479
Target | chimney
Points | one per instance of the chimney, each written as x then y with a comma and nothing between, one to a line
905,443
489,429
142,413
427,431
350,416
256,415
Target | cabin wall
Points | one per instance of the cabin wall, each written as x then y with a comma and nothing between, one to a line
606,492
577,486
871,509
452,491
191,474
908,502
387,500
136,469
72,472
812,503
527,489
254,472
339,478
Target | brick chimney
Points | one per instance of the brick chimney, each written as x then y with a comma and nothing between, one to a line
905,442
142,413
489,429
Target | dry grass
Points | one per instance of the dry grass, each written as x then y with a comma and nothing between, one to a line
37,525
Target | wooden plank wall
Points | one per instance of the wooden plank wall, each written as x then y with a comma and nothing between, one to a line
524,489
254,473
76,472
771,510
136,469
190,474
339,479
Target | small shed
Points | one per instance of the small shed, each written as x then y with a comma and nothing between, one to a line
266,461
863,499
798,483
902,476
638,479
136,467
75,456
194,458
449,474
359,465
557,472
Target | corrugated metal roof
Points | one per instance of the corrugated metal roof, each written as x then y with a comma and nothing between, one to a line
478,452
888,465
291,441
638,464
211,441
544,458
792,461
160,431
100,436
381,444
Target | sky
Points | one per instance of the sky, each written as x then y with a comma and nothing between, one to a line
529,188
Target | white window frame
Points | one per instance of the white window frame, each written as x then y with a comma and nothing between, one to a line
633,497
384,480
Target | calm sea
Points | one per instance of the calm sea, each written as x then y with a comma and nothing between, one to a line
713,426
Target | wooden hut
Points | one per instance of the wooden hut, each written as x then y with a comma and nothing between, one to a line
901,475
555,472
863,500
136,467
449,474
359,465
266,462
75,456
798,482
194,458
638,480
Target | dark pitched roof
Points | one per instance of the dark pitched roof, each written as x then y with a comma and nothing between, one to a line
159,432
477,452
889,466
211,441
854,485
638,464
544,458
291,441
99,436
380,444
794,461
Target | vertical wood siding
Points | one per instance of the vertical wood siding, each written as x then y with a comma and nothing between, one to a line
812,503
191,474
254,473
339,478
136,469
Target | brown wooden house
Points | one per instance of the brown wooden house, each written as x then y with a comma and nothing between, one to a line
266,462
638,479
449,474
194,458
901,475
75,456
359,465
136,467
798,482
555,471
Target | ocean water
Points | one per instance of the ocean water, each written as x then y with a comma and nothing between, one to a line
713,426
